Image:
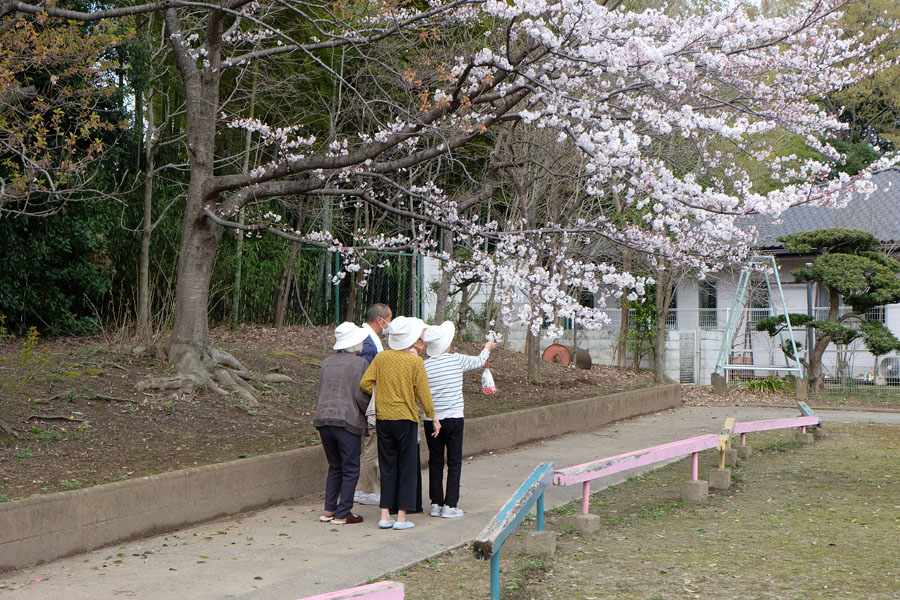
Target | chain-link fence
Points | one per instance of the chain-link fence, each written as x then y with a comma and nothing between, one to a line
312,294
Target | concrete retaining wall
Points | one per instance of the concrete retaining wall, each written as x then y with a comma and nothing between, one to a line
44,528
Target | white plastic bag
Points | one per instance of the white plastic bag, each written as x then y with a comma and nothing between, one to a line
487,382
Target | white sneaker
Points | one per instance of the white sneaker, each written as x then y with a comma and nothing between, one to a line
372,498
451,513
435,510
357,495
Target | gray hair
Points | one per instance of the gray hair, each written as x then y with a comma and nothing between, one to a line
378,310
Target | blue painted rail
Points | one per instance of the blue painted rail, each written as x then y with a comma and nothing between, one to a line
488,543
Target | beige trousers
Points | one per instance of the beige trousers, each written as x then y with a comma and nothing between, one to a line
369,477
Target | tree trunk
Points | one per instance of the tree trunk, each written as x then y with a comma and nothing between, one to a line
143,308
816,376
284,293
621,350
350,314
189,349
443,291
659,348
199,242
664,293
533,354
462,317
239,251
638,350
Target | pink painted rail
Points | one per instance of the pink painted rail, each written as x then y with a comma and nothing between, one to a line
584,473
751,426
383,590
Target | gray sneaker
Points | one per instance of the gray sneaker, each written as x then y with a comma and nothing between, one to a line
451,513
435,510
372,498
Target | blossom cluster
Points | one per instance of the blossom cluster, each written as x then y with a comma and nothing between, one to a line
671,117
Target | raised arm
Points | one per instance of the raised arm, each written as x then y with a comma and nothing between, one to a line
467,363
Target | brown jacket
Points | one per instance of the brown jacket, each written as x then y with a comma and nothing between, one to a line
341,402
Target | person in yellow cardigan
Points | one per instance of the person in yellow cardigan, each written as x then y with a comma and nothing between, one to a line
399,373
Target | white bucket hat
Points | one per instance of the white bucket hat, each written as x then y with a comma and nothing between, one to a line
404,331
438,337
347,335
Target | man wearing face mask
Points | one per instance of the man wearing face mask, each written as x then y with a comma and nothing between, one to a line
378,318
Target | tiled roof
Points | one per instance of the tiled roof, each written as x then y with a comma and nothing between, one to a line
878,215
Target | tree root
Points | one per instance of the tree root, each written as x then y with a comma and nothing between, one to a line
55,417
108,398
214,370
8,429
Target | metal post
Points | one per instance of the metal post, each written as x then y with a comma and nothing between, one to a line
810,312
695,466
495,576
540,513
585,496
743,439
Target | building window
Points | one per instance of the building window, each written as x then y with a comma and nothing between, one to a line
876,313
823,301
708,304
759,304
672,313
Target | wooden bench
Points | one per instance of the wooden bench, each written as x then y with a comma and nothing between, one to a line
531,493
586,472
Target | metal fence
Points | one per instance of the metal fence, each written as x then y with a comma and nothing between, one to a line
395,279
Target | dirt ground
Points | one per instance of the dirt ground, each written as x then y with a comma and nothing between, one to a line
799,522
74,418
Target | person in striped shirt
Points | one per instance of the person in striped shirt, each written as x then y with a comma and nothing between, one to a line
445,378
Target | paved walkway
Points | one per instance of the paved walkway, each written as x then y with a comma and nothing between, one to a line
284,553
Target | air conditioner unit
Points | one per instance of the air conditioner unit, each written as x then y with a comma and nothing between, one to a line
890,369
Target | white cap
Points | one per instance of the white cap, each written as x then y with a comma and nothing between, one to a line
347,335
438,337
404,331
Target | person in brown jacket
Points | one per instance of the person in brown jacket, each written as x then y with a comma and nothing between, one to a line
341,421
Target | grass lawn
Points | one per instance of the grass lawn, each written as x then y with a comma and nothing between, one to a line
799,522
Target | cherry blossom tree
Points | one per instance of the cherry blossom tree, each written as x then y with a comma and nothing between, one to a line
434,80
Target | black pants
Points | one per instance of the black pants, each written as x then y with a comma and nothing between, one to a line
393,508
450,439
342,451
398,461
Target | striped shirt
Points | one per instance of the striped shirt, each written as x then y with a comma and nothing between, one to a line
445,378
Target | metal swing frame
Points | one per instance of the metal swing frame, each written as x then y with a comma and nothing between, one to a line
737,311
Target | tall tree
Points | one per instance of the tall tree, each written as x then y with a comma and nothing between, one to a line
431,81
